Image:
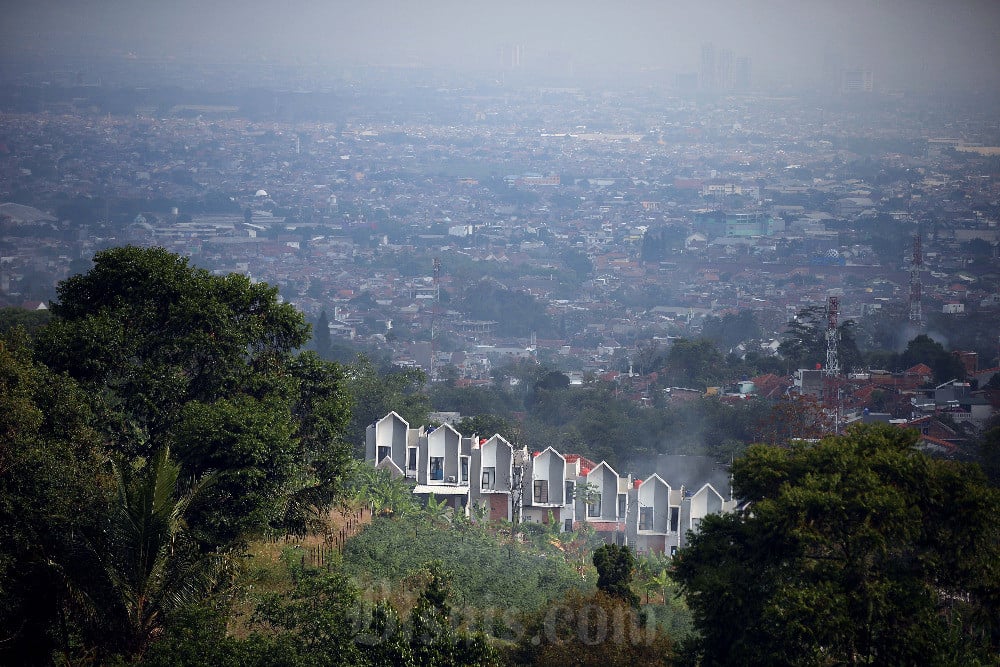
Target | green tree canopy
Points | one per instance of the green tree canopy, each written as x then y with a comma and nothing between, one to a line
147,567
32,320
152,333
375,392
321,335
553,380
52,489
578,262
856,549
172,355
614,572
732,329
486,426
516,313
925,350
804,343
694,363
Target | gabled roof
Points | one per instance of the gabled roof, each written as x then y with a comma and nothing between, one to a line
712,488
551,449
388,464
949,447
770,385
692,472
920,369
445,426
393,415
599,465
653,479
495,437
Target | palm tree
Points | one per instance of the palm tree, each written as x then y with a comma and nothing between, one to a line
438,511
662,581
151,569
379,490
643,573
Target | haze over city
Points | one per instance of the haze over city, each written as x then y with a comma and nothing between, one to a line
499,334
908,44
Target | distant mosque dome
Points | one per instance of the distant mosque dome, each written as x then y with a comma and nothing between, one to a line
261,193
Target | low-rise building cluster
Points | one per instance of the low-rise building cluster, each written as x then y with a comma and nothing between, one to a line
503,482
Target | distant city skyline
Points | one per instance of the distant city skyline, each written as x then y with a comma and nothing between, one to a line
907,44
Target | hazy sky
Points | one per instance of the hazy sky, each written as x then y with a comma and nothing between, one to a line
904,41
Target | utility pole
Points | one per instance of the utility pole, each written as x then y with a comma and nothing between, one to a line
520,464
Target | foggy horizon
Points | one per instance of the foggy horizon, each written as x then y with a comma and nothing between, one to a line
908,44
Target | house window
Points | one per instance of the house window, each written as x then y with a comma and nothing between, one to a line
437,467
645,518
569,525
489,478
464,479
621,505
594,507
411,458
384,452
570,492
673,551
541,490
675,518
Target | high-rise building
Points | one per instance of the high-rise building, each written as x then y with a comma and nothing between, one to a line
832,74
744,78
857,80
722,71
511,56
706,75
725,71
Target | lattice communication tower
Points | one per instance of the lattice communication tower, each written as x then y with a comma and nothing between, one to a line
916,290
832,337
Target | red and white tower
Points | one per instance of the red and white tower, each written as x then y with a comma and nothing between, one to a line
832,368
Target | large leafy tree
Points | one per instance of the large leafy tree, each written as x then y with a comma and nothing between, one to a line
321,335
988,451
152,333
732,329
174,355
486,425
804,340
694,363
52,489
925,350
856,549
374,392
516,313
615,565
32,320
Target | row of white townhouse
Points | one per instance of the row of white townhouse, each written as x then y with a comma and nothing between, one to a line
651,514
